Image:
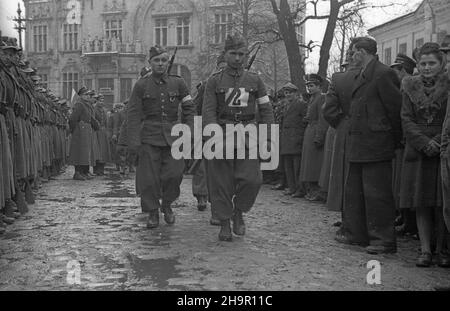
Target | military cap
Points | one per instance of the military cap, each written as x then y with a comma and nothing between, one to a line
156,51
10,43
96,96
90,92
313,78
235,42
36,78
83,90
403,60
290,86
445,45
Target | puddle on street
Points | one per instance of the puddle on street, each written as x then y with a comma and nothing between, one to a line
159,270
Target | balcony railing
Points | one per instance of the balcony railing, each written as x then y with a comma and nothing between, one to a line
110,45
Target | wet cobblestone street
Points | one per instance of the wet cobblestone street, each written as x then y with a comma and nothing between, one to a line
289,246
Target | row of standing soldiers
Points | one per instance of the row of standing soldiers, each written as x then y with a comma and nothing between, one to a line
33,133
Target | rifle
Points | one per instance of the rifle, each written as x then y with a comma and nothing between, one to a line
172,60
252,60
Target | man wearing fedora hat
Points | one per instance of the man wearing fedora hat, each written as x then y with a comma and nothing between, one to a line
153,110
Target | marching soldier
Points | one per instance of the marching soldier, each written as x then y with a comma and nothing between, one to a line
234,184
152,112
199,180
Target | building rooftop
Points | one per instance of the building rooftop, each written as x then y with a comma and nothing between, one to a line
392,21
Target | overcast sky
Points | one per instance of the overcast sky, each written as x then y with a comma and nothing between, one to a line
314,29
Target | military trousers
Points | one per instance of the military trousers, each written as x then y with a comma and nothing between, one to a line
233,185
292,171
158,177
445,170
369,207
199,183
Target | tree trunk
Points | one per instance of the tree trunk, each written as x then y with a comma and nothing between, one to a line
287,30
328,38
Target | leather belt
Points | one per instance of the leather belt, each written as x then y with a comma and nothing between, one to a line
238,117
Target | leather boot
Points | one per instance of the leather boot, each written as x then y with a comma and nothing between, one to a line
153,220
202,203
225,231
169,216
29,195
11,209
22,205
238,223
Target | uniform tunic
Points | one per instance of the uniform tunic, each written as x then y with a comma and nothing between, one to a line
153,110
232,97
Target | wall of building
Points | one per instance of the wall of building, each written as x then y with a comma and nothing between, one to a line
95,59
430,22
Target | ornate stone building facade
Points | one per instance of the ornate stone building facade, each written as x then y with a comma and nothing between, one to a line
429,22
103,44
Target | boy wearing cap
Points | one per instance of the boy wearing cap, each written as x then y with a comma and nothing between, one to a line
233,96
153,110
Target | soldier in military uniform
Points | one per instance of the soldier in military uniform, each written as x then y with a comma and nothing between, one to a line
153,110
313,144
234,184
82,121
198,169
291,140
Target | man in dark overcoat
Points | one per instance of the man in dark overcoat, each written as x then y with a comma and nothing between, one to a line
153,110
374,135
81,122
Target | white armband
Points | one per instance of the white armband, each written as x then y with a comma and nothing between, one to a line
187,98
263,100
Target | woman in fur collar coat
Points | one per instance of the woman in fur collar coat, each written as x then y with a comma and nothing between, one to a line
423,112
